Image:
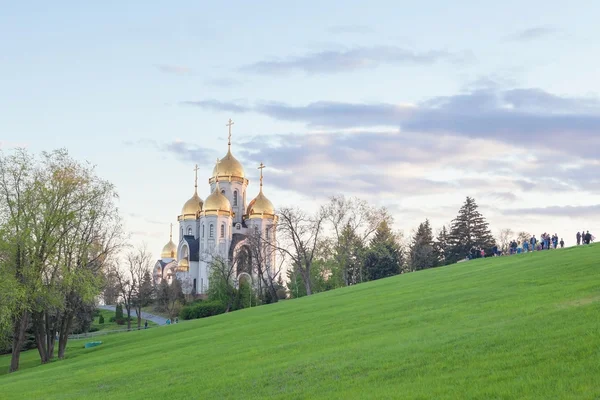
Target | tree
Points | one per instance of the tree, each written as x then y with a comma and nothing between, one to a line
222,275
468,230
440,246
134,292
299,234
523,237
169,297
504,239
353,221
59,223
267,260
422,254
384,256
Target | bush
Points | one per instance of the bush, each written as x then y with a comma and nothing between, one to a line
112,319
119,312
101,319
202,310
281,294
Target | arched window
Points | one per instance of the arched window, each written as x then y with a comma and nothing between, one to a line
202,230
222,230
223,192
181,231
235,198
256,229
189,230
211,231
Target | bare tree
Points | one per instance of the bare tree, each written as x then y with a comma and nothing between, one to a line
523,237
130,282
267,260
351,217
504,239
299,234
222,276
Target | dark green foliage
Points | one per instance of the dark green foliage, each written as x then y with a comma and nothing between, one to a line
469,229
440,246
101,319
202,309
384,256
119,311
422,254
244,297
350,256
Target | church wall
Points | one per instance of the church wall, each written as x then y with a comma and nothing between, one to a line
229,188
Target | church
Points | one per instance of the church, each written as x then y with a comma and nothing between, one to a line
217,227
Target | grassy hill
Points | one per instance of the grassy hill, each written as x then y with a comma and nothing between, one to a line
526,326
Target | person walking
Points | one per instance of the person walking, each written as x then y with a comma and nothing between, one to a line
588,238
578,236
146,324
562,243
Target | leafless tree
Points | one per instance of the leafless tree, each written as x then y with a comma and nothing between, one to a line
298,236
355,216
222,276
130,281
504,238
267,260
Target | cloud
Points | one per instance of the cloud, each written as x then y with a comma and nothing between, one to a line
190,152
349,60
558,211
173,69
516,116
223,82
533,33
350,29
216,105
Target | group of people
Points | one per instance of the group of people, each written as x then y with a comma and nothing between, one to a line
584,237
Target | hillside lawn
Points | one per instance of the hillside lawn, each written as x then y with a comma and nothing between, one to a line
113,326
525,326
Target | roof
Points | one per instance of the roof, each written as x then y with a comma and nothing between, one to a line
194,245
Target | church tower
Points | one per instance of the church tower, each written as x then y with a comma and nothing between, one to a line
232,182
190,213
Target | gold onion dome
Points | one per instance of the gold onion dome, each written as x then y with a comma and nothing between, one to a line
261,207
170,249
229,166
183,265
217,202
193,206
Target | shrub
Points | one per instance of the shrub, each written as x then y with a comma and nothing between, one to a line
281,294
119,312
202,310
112,319
101,319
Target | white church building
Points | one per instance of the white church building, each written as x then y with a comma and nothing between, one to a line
218,226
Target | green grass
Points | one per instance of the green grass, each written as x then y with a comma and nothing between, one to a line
526,326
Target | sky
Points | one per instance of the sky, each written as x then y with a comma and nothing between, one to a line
408,105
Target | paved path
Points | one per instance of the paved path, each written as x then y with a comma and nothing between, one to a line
151,317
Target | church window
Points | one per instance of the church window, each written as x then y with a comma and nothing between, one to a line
223,192
256,229
223,230
235,198
202,230
211,231
189,230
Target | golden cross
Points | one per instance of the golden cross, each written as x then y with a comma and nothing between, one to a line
196,178
171,234
261,167
229,125
217,174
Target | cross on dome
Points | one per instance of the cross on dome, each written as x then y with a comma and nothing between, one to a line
229,137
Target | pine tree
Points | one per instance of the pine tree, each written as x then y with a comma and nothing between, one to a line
440,246
384,256
422,255
468,230
350,257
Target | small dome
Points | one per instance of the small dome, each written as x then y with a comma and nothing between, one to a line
169,251
229,166
192,207
183,265
260,206
217,202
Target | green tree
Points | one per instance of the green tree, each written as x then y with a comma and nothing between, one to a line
468,230
440,246
119,312
384,256
421,252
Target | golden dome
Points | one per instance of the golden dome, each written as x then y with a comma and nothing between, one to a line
261,207
169,251
183,265
229,166
217,202
192,207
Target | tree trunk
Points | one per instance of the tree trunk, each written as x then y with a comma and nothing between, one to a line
19,328
129,317
66,325
138,311
40,336
306,277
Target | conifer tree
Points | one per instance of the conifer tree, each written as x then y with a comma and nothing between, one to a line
422,255
440,246
468,230
384,256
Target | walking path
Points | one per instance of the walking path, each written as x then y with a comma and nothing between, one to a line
151,317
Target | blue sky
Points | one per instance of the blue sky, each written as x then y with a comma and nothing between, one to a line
413,105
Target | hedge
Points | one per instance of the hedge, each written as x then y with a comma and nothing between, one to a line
202,309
